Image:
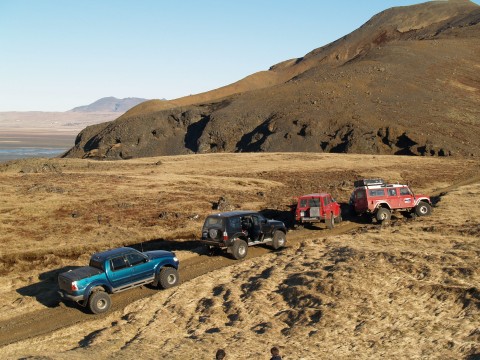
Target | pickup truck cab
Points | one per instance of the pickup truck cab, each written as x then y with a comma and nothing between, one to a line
117,270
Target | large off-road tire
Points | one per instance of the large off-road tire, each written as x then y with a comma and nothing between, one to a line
338,219
330,221
423,208
383,214
99,302
239,249
279,239
168,277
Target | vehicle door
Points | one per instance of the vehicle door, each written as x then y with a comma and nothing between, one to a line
333,206
324,209
120,272
405,198
259,228
266,229
315,210
302,208
360,200
140,265
392,198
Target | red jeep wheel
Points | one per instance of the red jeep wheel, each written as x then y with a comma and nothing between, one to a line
423,208
383,214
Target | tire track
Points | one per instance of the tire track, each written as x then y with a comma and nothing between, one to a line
47,320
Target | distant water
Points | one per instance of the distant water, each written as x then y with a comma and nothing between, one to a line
29,152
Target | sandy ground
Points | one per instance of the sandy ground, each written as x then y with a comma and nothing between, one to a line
408,290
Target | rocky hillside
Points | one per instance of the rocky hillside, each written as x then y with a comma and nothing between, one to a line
406,82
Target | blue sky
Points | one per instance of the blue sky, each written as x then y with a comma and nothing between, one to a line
58,54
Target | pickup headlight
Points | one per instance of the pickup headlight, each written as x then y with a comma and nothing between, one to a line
175,259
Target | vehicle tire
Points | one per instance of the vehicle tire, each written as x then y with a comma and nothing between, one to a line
239,249
423,208
383,214
168,277
99,302
338,219
330,221
279,239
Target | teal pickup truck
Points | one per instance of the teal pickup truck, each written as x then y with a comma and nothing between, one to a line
117,270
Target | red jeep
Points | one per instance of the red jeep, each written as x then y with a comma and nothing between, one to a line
379,199
316,208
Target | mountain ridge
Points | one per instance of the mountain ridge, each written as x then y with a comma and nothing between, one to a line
110,104
403,83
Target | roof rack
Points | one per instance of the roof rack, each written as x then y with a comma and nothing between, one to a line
368,182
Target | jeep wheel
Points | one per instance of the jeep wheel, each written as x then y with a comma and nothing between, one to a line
423,208
330,221
239,249
383,214
338,219
168,277
99,302
279,239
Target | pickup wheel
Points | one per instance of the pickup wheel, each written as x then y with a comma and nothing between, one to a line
239,249
99,302
383,214
279,239
423,208
168,277
338,219
330,221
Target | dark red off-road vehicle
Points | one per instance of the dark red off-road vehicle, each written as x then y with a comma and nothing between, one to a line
318,207
379,199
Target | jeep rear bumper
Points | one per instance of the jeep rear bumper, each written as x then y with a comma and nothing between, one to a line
213,243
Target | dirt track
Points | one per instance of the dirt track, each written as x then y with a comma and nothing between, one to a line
48,320
45,321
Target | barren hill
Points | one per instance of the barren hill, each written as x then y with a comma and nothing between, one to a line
406,82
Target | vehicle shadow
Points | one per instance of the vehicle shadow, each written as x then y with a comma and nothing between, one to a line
45,291
169,245
285,216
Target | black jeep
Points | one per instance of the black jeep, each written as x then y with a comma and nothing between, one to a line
237,230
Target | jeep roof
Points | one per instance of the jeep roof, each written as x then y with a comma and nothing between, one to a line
235,213
322,194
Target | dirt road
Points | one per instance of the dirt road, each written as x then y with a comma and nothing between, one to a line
47,320
51,319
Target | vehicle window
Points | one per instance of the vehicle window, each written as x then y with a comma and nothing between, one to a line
405,191
314,202
256,220
135,259
303,203
96,264
392,192
213,220
360,194
234,222
376,192
118,263
326,201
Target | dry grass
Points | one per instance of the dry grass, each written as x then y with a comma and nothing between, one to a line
380,292
407,291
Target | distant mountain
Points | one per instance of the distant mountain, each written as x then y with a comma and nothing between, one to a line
110,104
